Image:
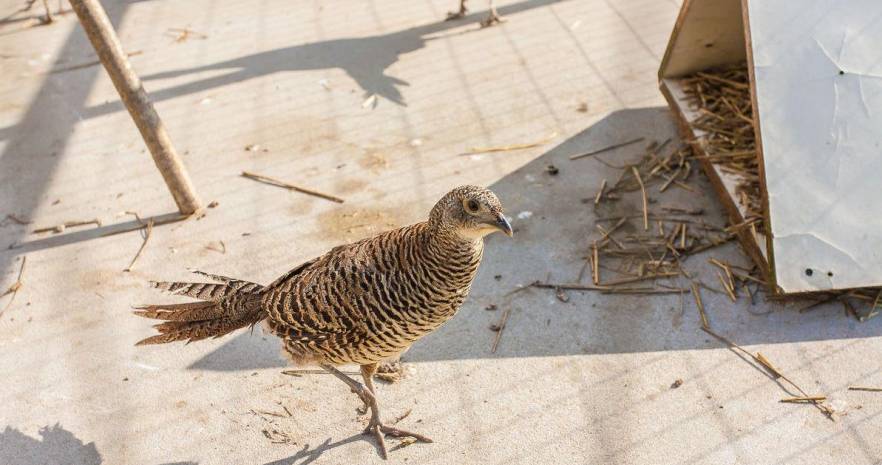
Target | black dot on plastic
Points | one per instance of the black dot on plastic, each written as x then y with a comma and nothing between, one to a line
808,272
829,274
841,72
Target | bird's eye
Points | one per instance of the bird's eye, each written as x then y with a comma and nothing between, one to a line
472,205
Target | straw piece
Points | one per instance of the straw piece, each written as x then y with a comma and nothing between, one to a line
148,230
697,294
863,388
501,326
14,288
283,184
802,399
596,263
600,192
606,149
645,199
508,148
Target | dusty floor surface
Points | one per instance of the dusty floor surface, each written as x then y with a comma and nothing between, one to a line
285,89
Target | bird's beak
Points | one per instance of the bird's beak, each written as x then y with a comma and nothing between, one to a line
503,225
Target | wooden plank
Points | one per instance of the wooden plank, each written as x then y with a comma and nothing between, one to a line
707,33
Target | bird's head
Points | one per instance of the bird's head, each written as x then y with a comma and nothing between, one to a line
472,212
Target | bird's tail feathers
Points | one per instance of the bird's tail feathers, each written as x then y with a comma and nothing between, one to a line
225,307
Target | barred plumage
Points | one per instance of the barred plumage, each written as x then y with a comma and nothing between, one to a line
359,303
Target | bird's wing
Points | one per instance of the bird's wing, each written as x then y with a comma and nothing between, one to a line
283,282
308,301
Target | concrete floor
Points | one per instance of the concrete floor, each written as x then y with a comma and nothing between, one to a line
587,381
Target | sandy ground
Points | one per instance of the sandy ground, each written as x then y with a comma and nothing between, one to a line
374,102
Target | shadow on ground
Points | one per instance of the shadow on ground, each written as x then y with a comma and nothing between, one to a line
30,158
309,454
364,59
551,245
55,445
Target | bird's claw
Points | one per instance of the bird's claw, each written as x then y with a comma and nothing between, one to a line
379,431
454,15
492,19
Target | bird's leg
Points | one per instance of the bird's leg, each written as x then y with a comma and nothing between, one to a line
493,17
359,389
451,15
376,426
367,373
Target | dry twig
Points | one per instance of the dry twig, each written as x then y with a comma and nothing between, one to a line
67,224
862,388
182,34
508,148
697,294
148,230
600,192
606,149
499,328
645,199
14,288
772,371
803,399
278,183
17,220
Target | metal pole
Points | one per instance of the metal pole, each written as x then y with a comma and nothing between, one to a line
100,32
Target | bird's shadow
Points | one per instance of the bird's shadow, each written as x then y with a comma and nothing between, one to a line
247,351
311,454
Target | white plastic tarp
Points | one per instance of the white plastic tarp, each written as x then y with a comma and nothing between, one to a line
818,70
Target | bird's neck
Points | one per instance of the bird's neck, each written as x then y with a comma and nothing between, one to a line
452,256
450,242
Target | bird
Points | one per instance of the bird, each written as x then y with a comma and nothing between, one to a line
491,19
361,303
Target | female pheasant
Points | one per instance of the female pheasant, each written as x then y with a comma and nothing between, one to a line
361,303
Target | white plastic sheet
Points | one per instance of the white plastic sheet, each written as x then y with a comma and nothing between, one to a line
818,69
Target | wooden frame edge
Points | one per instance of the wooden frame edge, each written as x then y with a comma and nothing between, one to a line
672,41
767,217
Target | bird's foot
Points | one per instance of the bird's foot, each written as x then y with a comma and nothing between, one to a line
491,19
454,15
380,430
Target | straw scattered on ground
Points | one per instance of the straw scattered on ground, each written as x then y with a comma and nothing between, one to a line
642,253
